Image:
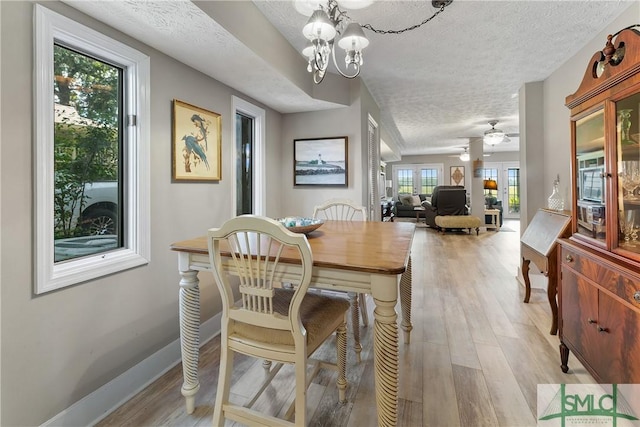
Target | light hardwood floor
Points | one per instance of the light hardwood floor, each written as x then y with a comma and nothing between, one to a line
477,351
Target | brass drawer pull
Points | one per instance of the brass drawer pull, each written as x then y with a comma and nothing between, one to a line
591,321
636,296
569,258
602,330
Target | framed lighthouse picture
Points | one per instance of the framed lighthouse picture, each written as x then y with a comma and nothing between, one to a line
321,161
196,143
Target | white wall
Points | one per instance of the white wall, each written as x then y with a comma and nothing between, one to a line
61,346
300,200
531,154
560,84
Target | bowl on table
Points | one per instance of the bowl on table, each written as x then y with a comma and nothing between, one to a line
298,224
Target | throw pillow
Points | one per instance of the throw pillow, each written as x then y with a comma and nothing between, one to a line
416,201
406,200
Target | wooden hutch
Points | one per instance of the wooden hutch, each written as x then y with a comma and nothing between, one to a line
599,282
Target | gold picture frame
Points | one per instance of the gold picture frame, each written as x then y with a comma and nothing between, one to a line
456,175
196,143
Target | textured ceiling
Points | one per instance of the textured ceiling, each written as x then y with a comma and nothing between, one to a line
436,86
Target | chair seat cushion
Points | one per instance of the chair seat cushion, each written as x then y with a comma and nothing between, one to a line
320,315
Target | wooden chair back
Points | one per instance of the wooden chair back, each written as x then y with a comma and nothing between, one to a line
256,247
340,209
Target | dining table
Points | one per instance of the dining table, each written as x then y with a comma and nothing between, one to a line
353,256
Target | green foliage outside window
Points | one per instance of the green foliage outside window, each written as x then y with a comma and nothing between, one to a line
86,143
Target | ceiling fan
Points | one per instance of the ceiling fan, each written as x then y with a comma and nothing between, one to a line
495,136
464,156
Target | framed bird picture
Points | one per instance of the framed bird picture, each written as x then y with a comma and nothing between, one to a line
196,143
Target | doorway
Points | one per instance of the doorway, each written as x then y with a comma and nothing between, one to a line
507,175
249,170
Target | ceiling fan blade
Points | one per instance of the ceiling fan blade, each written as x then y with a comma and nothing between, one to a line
513,135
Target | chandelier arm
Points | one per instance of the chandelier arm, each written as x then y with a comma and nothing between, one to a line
316,79
348,76
413,27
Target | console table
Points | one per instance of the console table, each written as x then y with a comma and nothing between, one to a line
495,218
538,244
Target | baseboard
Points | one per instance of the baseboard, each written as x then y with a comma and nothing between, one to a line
97,405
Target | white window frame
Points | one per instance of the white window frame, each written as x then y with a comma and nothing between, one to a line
52,27
416,172
239,105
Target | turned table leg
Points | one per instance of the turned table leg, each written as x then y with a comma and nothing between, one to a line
405,302
385,346
355,323
189,305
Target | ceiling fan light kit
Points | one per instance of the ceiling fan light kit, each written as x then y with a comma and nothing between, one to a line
464,156
329,25
493,136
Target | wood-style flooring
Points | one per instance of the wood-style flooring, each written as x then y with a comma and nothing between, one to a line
476,356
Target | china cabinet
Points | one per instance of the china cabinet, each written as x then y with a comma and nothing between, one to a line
599,281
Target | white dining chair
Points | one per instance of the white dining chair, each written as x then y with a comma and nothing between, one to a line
348,210
268,322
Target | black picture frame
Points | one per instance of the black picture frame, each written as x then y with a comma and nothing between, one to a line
321,162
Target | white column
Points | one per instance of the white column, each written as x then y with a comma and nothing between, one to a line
476,152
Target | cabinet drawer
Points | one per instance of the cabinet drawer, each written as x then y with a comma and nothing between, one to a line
627,287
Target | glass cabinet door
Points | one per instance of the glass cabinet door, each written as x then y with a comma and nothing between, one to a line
590,186
628,165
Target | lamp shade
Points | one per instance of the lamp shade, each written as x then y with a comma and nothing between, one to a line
490,184
353,38
319,26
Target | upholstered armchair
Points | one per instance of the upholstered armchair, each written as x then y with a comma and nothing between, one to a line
446,200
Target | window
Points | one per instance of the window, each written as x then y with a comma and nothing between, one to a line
92,142
417,179
244,165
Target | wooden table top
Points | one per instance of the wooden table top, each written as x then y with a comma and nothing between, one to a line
365,246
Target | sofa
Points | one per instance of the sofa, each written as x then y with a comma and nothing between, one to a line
405,204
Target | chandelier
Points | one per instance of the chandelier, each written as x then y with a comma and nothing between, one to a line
329,24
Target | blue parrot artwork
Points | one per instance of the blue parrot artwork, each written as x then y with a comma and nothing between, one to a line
200,124
192,147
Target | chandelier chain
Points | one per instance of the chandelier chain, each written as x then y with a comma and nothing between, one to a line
413,27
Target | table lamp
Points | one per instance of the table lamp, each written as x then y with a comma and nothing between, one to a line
490,184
